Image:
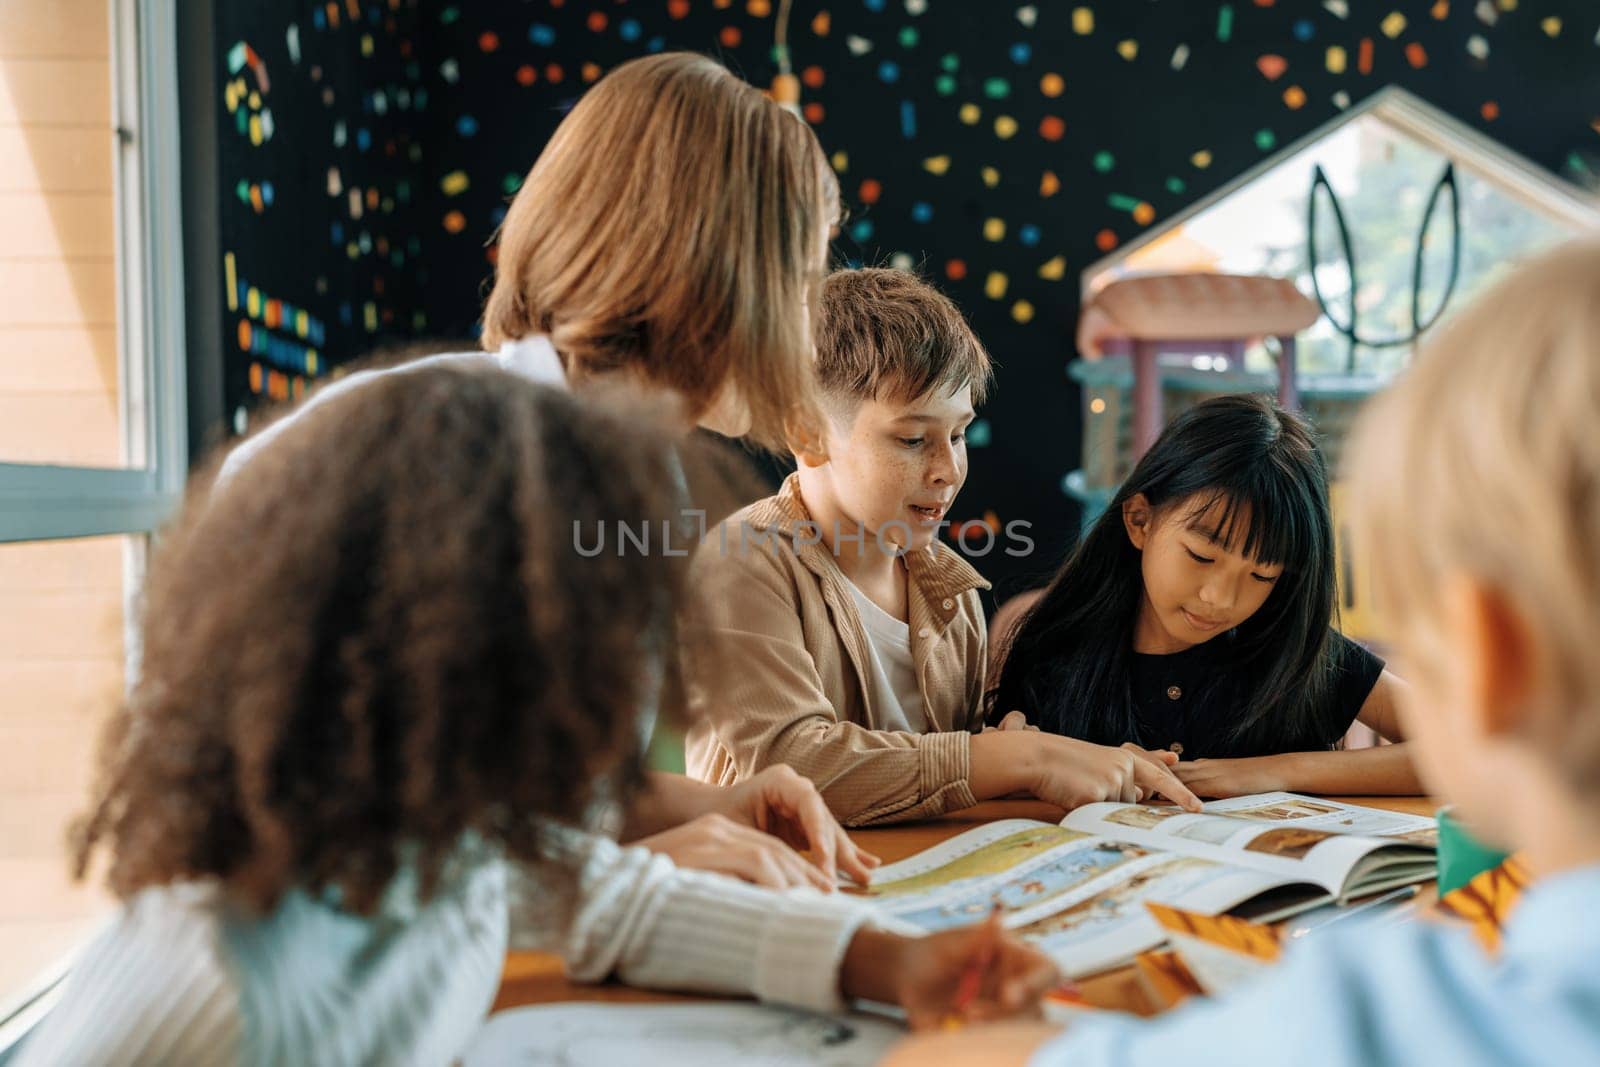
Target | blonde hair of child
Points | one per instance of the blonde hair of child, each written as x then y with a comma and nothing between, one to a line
675,226
1483,459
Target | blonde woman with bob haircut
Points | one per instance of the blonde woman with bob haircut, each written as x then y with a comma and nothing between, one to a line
1477,487
671,232
674,228
670,236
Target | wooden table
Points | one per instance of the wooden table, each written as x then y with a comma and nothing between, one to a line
538,978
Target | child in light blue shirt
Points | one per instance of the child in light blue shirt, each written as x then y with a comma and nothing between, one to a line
1477,478
1414,995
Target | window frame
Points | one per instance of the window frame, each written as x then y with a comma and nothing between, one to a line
1471,150
51,501
57,501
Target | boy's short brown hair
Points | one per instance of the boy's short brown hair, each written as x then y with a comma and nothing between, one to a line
889,335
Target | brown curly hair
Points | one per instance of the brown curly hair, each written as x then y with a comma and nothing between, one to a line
377,640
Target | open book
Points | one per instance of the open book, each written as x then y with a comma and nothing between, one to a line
1077,889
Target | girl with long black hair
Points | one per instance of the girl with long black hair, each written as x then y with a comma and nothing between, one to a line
1196,616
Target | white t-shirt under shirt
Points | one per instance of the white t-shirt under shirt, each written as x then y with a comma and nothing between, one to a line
893,671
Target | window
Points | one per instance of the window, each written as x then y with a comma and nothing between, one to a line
61,668
60,374
92,449
1382,161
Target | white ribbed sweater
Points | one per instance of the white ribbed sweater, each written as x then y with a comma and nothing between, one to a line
180,977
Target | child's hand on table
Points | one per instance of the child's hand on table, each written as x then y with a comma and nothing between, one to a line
781,802
1014,720
1232,777
716,843
1081,773
752,830
973,974
1014,758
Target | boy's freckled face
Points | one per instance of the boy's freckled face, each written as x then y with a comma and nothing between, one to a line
896,467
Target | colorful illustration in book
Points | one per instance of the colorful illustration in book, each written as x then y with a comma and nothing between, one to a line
996,857
1118,904
1288,842
1141,817
1036,885
1299,808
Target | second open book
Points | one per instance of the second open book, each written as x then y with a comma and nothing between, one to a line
1077,889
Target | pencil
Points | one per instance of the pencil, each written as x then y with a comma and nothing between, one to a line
972,978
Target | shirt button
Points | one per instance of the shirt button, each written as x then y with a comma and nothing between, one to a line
948,603
1173,692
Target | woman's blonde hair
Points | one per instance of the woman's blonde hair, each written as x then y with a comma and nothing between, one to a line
675,225
1484,459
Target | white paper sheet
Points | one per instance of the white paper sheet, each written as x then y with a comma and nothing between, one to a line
678,1035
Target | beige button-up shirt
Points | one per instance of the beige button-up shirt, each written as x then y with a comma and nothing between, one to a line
776,669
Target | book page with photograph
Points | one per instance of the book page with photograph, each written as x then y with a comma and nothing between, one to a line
1344,848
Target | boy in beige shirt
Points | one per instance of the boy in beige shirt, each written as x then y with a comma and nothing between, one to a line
832,631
